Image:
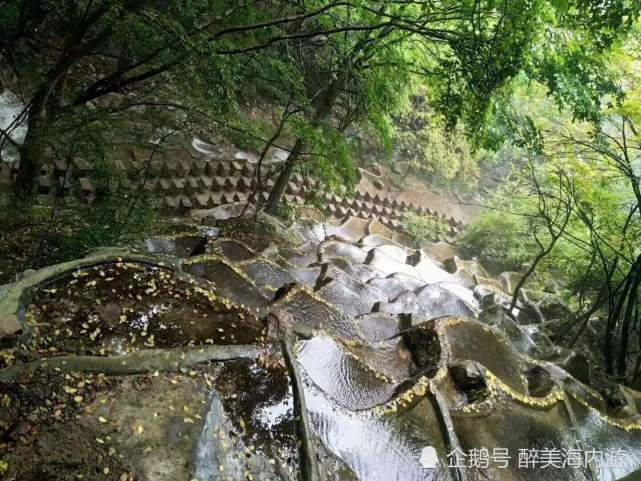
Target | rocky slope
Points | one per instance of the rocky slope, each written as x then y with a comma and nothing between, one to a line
345,356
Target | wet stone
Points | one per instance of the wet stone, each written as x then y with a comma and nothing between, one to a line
348,295
390,357
470,340
229,283
359,272
438,301
391,286
508,424
231,249
374,240
302,260
267,273
620,402
310,313
485,295
431,272
181,246
539,381
406,303
552,307
379,326
519,336
119,307
352,229
410,283
579,366
340,249
307,276
595,431
375,448
344,299
345,378
257,396
395,252
528,314
239,422
379,260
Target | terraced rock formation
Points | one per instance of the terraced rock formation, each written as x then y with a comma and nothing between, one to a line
346,357
202,176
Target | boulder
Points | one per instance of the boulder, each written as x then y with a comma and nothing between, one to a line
441,250
490,282
578,365
470,268
485,296
10,327
539,381
497,316
552,307
488,294
620,401
509,280
528,312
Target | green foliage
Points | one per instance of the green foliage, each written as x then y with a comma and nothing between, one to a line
330,159
424,228
500,240
52,231
122,215
246,132
442,156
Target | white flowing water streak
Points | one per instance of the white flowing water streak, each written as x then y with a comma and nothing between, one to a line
10,109
203,147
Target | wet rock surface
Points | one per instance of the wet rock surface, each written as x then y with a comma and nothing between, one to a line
368,353
119,307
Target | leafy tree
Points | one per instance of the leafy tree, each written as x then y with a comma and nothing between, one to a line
71,56
598,249
424,229
440,155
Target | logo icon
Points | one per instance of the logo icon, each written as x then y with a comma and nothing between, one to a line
429,458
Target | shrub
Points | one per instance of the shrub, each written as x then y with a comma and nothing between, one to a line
500,240
423,229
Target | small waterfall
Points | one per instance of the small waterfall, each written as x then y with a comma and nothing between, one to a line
10,109
207,462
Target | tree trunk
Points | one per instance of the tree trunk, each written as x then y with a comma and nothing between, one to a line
615,315
625,327
277,192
